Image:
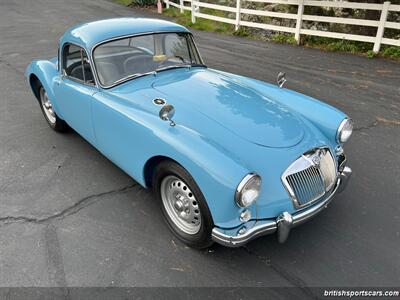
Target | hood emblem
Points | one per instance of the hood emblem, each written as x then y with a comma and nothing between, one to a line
159,101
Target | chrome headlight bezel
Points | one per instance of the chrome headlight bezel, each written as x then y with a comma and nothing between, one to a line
251,181
344,131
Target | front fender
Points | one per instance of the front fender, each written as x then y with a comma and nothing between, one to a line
323,116
216,172
137,135
46,72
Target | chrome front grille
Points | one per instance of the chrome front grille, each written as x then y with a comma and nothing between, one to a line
310,176
307,185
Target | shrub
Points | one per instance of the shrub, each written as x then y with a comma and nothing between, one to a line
391,51
370,54
242,31
284,38
144,3
343,46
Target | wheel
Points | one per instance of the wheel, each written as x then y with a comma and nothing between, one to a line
183,205
51,117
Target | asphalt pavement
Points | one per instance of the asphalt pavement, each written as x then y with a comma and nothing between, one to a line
70,217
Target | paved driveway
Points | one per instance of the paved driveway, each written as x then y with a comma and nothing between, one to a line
68,216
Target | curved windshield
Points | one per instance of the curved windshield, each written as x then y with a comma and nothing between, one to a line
123,59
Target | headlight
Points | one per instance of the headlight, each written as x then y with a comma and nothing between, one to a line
344,131
248,190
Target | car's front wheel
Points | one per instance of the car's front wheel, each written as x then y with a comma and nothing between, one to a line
183,205
50,115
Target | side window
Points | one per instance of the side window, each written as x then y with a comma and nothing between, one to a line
76,64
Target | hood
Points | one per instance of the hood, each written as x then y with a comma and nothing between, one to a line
234,105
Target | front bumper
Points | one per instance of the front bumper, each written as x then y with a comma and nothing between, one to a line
283,223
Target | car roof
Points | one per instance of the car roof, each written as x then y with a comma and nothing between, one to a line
89,34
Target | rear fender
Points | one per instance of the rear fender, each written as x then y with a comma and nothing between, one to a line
45,71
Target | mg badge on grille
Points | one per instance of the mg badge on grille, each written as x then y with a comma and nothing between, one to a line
316,160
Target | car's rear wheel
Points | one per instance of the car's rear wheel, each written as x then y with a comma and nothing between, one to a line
49,114
183,205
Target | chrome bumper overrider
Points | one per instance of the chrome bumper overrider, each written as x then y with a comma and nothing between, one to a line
284,222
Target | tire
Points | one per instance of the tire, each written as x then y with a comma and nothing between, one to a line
195,233
49,114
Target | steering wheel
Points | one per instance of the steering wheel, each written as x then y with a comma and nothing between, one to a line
137,57
168,60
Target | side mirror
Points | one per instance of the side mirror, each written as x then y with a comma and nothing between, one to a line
281,79
166,113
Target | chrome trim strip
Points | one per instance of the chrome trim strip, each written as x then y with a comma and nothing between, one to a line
271,226
197,49
240,240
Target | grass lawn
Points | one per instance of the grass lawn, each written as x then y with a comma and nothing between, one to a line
124,2
185,19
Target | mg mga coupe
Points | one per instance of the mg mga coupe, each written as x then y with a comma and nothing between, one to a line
229,158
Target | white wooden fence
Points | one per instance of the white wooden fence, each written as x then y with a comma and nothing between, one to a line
377,40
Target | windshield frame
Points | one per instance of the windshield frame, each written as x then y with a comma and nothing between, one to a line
129,78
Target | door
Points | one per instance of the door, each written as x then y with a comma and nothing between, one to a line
75,89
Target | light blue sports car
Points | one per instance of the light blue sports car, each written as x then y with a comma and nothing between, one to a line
229,158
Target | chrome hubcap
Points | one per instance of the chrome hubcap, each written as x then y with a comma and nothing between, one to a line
47,106
180,204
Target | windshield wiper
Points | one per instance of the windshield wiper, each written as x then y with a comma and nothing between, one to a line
180,66
136,75
198,65
133,76
173,67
